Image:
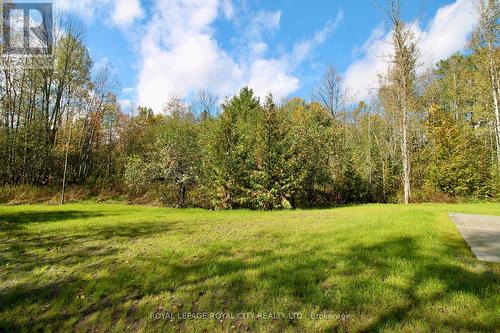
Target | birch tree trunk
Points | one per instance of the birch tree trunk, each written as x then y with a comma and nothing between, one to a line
486,37
496,96
402,78
63,190
497,118
406,158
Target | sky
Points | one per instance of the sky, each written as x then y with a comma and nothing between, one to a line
160,48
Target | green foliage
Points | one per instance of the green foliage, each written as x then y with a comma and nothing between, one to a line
49,111
352,187
272,184
175,156
457,165
312,140
172,161
135,176
231,160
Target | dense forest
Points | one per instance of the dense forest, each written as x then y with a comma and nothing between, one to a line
426,135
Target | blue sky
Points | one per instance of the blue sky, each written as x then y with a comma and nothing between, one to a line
162,47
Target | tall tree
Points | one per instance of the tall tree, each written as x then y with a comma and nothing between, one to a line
230,150
272,182
486,40
402,83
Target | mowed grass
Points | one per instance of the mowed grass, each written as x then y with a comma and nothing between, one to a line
95,267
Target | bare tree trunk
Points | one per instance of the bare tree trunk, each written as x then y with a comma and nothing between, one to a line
406,158
383,179
63,190
403,78
497,119
496,95
455,103
182,195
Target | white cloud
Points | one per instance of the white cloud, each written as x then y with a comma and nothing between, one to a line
252,31
227,6
180,54
362,75
263,21
86,9
128,90
126,11
303,48
446,34
448,31
272,76
122,12
125,104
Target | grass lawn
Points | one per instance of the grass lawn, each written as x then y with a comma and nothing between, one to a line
95,267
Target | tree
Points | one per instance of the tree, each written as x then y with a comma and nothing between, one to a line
97,100
176,155
402,84
272,183
435,133
457,163
312,141
176,107
229,153
331,91
485,40
72,49
206,104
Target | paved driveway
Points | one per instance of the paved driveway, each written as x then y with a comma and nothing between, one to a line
482,234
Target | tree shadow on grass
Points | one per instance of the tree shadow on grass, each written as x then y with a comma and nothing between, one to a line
302,277
308,275
15,221
25,250
454,277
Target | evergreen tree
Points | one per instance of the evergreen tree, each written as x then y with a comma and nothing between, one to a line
271,182
230,151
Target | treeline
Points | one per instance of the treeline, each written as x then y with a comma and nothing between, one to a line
253,154
66,110
422,137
